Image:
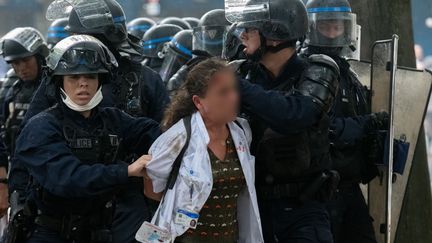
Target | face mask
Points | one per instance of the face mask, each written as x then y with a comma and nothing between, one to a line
97,98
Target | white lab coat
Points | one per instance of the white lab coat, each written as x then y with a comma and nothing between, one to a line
195,181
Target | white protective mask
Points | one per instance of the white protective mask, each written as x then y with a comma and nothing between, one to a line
97,98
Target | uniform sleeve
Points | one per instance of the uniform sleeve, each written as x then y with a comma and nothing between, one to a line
154,94
164,151
348,131
138,133
42,148
43,99
283,113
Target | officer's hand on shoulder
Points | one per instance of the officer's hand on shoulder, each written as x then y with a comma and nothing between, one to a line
137,168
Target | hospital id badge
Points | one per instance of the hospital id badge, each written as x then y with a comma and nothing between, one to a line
150,233
186,218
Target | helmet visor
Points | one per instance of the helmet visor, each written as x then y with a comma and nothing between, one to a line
91,13
247,10
153,47
209,39
173,61
332,29
28,38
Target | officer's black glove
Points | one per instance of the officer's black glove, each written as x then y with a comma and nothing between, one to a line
377,121
375,130
374,147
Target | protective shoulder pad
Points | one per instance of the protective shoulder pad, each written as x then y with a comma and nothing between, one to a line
324,60
320,81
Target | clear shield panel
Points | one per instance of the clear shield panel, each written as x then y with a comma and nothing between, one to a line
247,10
409,95
30,38
91,13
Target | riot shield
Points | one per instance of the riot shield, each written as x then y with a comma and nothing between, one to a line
410,95
383,86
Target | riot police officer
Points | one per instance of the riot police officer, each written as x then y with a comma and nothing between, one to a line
177,21
136,89
287,100
25,49
154,41
332,31
133,88
209,34
176,53
208,40
57,32
137,27
73,149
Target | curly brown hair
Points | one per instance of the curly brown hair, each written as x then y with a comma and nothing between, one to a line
196,83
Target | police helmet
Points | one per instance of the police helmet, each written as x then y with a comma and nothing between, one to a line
176,53
193,22
93,17
155,38
80,54
176,21
22,42
137,27
331,24
210,32
57,32
279,20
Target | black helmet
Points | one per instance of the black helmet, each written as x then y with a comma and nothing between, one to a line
176,53
193,22
93,17
22,42
80,54
331,24
137,27
57,32
209,35
155,38
176,21
280,20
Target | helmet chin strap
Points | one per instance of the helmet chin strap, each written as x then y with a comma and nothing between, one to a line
258,54
279,47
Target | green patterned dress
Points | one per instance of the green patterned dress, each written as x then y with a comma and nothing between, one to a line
218,217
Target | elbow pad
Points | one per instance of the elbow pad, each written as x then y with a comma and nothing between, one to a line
320,80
